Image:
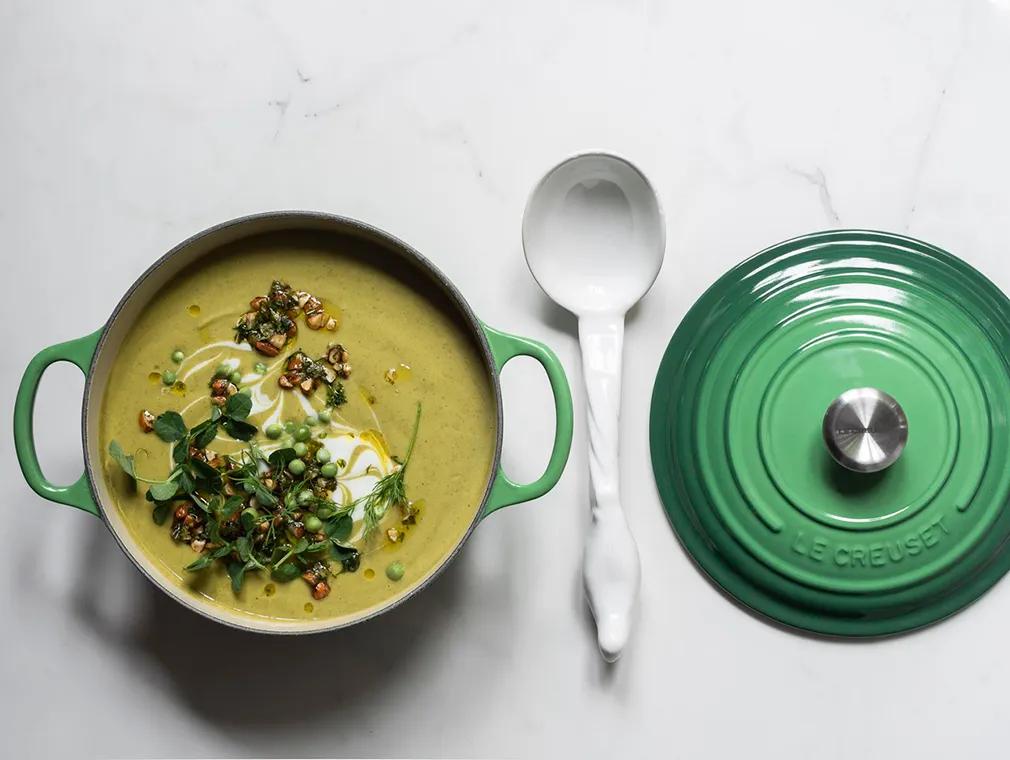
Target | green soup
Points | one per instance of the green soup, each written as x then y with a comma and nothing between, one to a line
406,344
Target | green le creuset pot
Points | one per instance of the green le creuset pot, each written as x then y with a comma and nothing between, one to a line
738,433
94,355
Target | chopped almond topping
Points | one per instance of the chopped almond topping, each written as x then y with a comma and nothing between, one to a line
265,348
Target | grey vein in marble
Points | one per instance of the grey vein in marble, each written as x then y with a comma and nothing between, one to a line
818,180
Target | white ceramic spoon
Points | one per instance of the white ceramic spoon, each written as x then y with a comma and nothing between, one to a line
594,239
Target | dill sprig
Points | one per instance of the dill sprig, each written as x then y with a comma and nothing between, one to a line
390,491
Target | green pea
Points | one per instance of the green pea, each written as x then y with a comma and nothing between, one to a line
323,456
260,368
394,571
325,513
304,497
178,356
223,370
324,415
274,431
235,377
312,524
249,517
296,466
289,427
301,449
312,420
328,470
302,433
168,377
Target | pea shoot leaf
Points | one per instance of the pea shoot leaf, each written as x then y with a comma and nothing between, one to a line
263,496
236,571
347,556
238,406
244,547
184,481
204,560
207,558
231,505
206,475
124,460
180,452
286,571
160,513
204,433
238,429
170,427
163,490
280,458
339,528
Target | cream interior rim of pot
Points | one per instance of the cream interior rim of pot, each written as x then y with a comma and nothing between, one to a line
146,288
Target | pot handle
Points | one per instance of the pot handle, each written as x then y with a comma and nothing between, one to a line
504,347
77,352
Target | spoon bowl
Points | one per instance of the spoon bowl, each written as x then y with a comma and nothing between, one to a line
593,234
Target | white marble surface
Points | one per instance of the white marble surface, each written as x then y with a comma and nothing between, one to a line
127,126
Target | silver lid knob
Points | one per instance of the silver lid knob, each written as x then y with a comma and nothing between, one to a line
865,430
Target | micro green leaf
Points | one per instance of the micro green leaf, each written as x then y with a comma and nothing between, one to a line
201,562
339,527
180,452
281,457
348,556
184,481
124,460
170,427
238,406
244,547
204,433
163,490
207,558
231,505
236,571
285,572
160,513
205,473
238,429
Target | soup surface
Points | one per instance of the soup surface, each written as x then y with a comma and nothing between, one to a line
325,512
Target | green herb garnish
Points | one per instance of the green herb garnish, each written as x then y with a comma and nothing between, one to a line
269,325
390,491
335,395
244,511
170,427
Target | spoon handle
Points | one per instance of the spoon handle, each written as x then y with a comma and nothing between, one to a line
611,569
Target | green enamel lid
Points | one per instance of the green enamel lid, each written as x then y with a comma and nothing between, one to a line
739,452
